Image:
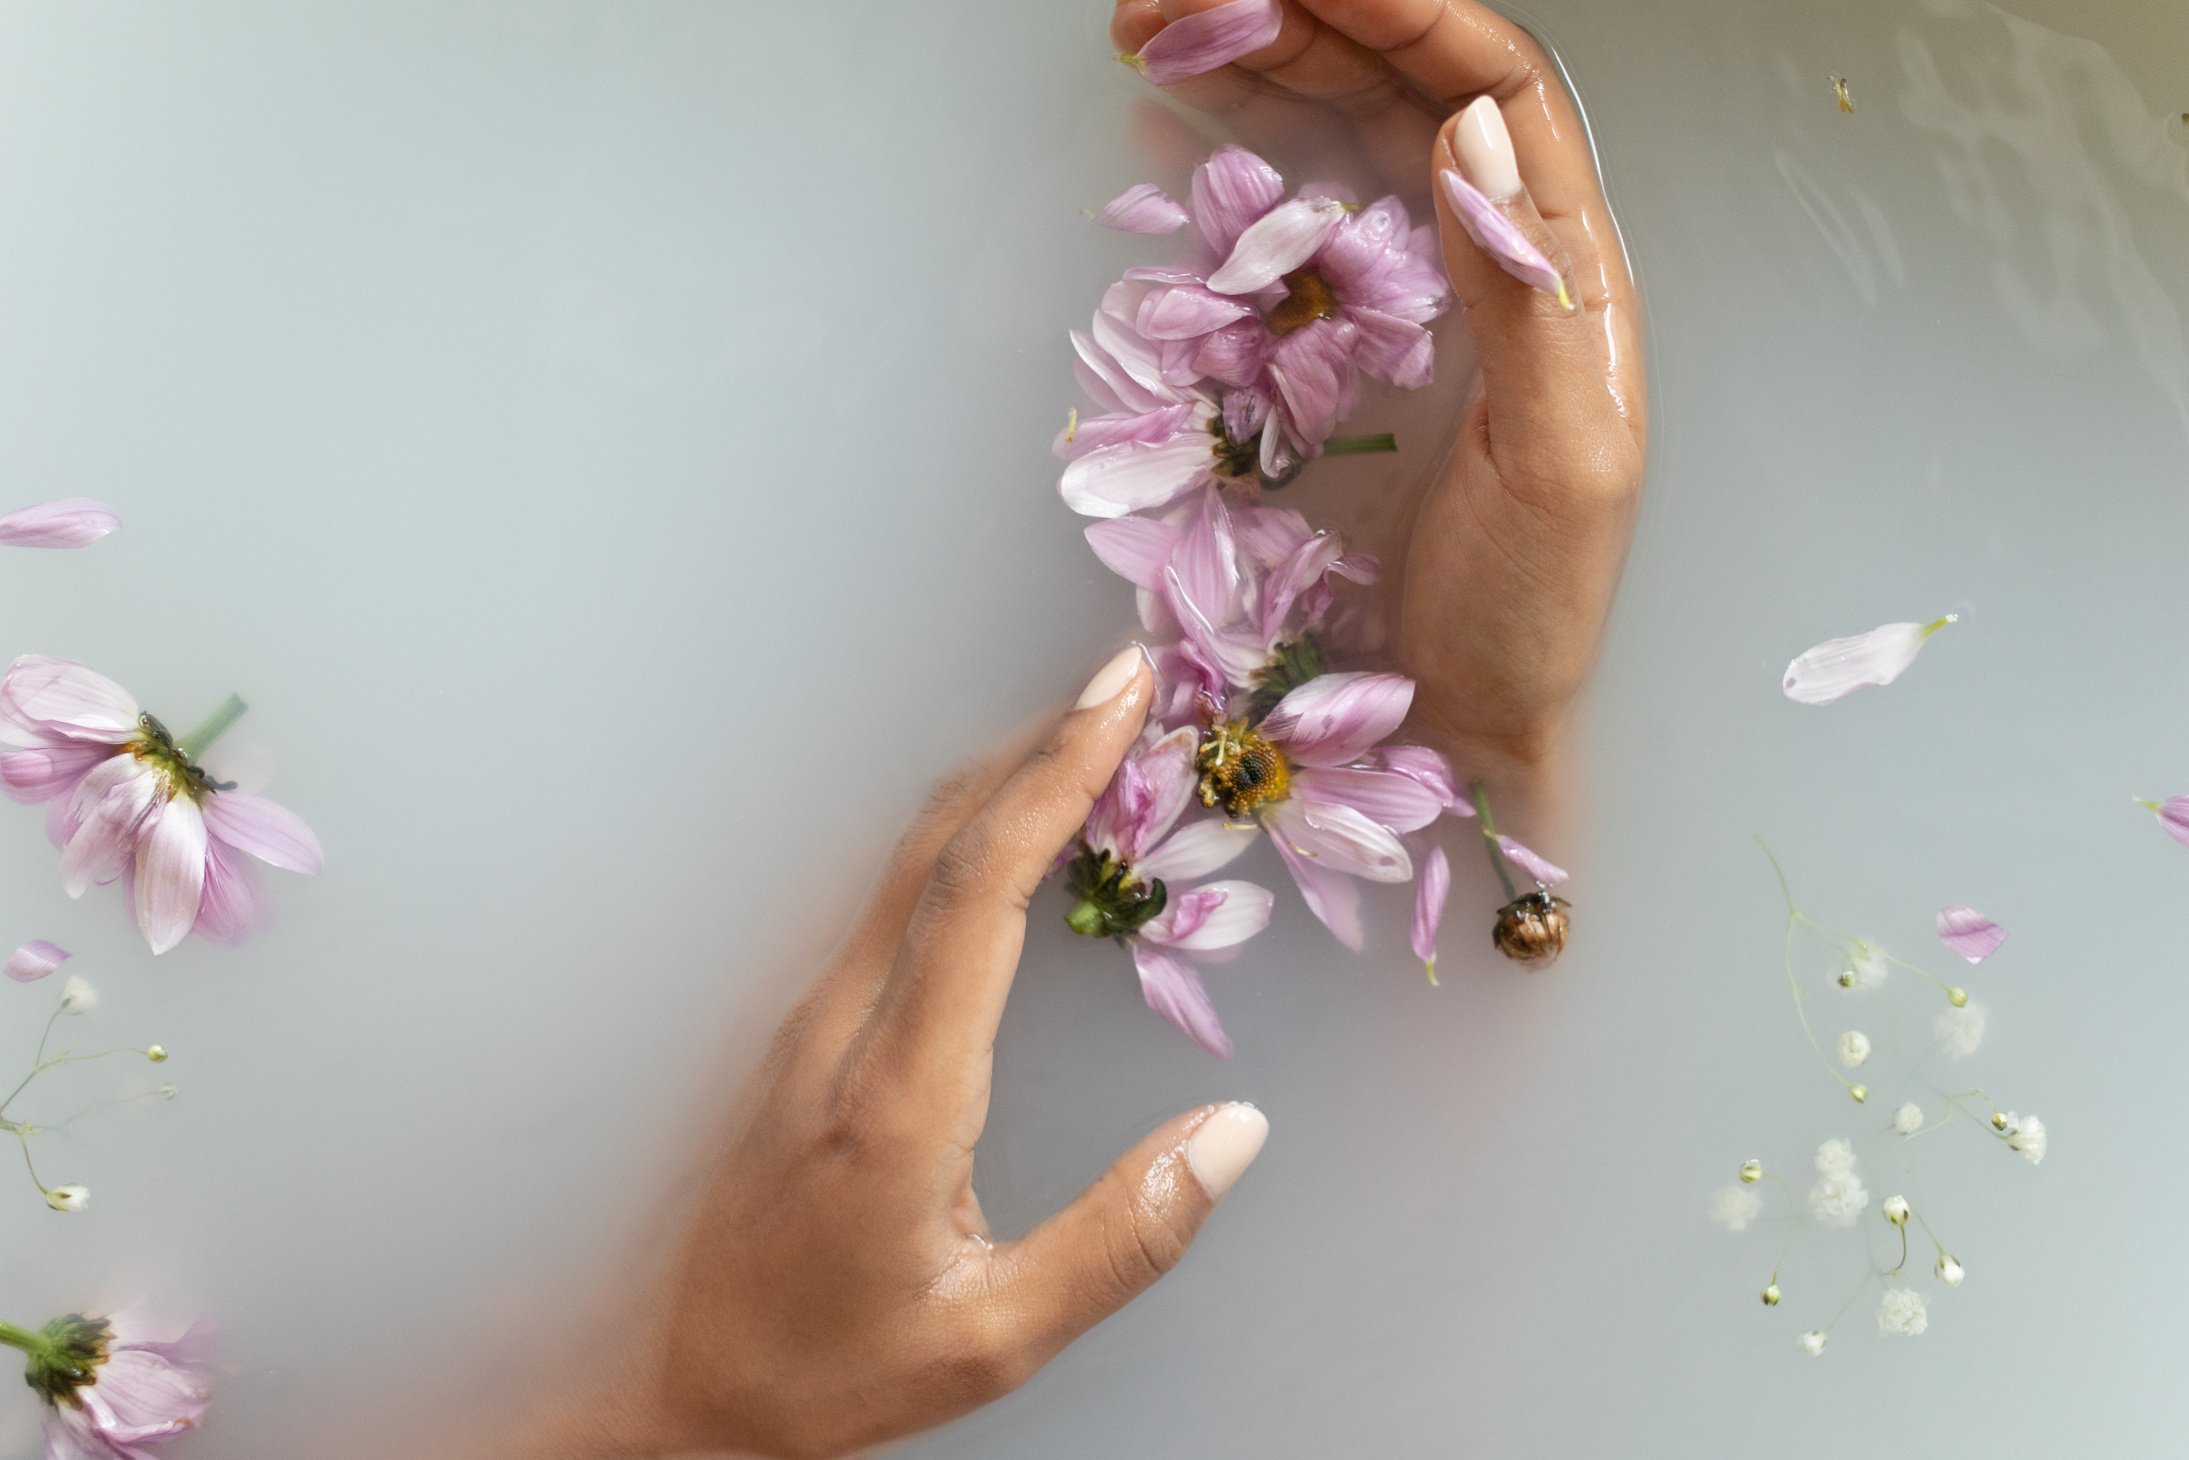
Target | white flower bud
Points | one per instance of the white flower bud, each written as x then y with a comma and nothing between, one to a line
1949,1271
1812,1342
1998,1120
1896,1210
2027,1136
78,996
1908,1119
1751,1171
157,1054
1854,1048
1858,1093
1958,997
68,1198
1771,1296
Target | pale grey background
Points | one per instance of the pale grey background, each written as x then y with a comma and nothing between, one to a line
608,444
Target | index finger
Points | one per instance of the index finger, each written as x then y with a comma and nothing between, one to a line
936,1020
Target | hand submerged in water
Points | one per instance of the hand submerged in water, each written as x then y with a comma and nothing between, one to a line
1518,545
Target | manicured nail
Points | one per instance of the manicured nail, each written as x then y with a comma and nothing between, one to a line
1225,1145
1110,680
1486,150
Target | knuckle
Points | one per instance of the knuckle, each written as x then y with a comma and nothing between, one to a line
963,867
1141,1247
986,1358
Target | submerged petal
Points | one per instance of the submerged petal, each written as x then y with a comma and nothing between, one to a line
1332,897
1143,208
2173,812
1839,667
1197,44
270,832
170,872
1499,237
47,701
1174,990
1335,718
1230,190
1542,869
71,522
232,907
1137,549
1969,933
1211,918
1391,798
1339,839
45,772
1277,243
1135,476
1197,849
34,960
1432,888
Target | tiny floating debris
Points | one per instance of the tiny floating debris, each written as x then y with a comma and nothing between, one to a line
1839,90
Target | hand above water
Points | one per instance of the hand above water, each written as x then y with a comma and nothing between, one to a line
837,1285
1519,542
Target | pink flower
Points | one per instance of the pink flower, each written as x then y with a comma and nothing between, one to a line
125,800
72,522
1131,849
139,1391
1311,774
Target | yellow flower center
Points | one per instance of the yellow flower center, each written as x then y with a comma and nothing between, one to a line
1311,298
1241,771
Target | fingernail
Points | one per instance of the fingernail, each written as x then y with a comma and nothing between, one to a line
1225,1145
1110,680
1486,150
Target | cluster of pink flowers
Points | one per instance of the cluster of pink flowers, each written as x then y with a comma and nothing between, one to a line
1217,377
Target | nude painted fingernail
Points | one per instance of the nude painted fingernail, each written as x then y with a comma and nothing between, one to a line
1225,1145
1110,680
1486,150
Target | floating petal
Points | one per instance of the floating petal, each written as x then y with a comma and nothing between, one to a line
1969,933
72,522
1839,667
1143,208
1431,889
1542,869
1500,237
1198,44
1336,718
1277,243
2173,813
1174,990
34,960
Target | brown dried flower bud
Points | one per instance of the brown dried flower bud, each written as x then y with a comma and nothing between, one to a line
1532,928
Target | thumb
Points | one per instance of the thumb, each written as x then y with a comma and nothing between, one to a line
1130,1227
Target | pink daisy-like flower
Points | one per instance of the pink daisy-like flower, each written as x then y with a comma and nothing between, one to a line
127,800
1131,851
111,1389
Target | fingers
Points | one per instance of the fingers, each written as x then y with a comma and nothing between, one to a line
937,1015
1130,1227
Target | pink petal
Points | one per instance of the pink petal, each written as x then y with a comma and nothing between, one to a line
1217,916
108,807
1230,190
1387,797
1233,355
1137,549
1198,44
1498,236
170,872
270,832
71,522
1544,871
1313,368
1331,896
1339,839
1147,427
1135,477
1174,990
1143,208
1187,312
1393,349
1277,243
1969,933
46,701
1197,849
1431,891
1839,667
233,907
34,960
2173,814
43,773
1335,718
1428,767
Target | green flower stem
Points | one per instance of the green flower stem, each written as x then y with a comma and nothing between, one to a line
24,1339
1481,798
194,744
1794,919
1360,445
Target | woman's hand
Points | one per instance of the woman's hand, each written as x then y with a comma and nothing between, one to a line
1519,542
838,1286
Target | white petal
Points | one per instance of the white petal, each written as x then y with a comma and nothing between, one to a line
1197,849
1839,667
1115,480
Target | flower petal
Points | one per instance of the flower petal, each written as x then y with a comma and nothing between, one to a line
1094,432
1336,837
1432,889
1276,243
1428,767
233,907
1143,208
1499,237
1335,718
1332,897
2173,812
1198,44
1313,368
1386,797
1230,190
170,874
270,832
1197,849
1174,990
107,810
1969,933
45,772
1839,667
34,960
1205,919
1543,870
71,522
1187,312
46,701
1114,480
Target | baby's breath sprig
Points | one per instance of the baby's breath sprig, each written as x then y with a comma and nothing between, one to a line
77,997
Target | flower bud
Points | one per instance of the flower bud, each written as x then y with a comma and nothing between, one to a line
1858,1093
1771,1296
1532,928
1896,1210
1846,981
67,1198
1998,1120
157,1054
1958,997
1812,1342
1949,1271
1751,1171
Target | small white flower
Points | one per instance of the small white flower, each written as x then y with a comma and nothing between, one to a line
78,996
1896,1210
1865,967
1903,1311
68,1198
1908,1119
1812,1342
1736,1206
1835,1158
1959,1031
1949,1271
1838,1199
1854,1048
2026,1133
